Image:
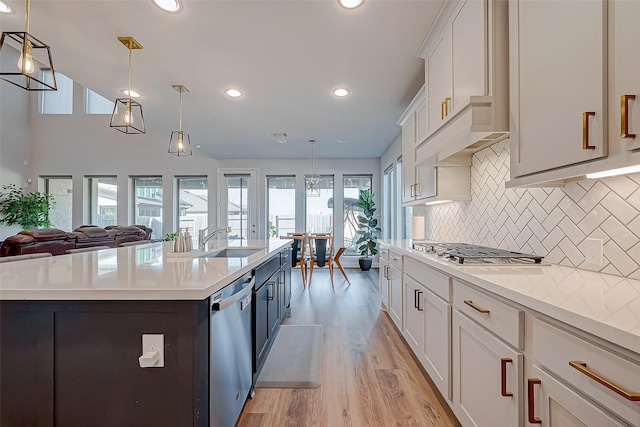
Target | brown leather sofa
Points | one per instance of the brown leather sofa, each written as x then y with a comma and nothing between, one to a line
57,242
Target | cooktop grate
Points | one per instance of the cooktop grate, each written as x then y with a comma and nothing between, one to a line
459,252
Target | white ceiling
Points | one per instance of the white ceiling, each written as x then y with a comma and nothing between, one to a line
285,56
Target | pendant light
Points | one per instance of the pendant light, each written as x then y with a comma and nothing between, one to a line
33,69
127,113
312,180
180,142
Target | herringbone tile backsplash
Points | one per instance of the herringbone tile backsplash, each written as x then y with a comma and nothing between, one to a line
553,222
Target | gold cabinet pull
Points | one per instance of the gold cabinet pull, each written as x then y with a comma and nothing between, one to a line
585,130
530,400
417,187
446,106
624,116
503,368
476,308
442,107
582,368
411,190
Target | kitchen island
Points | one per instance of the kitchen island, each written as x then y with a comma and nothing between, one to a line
72,326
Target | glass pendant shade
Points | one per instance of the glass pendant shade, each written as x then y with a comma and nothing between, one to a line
312,180
25,61
180,142
127,114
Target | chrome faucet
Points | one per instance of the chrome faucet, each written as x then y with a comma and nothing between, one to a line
203,239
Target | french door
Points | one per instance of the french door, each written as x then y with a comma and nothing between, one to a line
237,202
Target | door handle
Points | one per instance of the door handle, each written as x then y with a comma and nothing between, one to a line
270,295
624,116
503,368
531,382
585,130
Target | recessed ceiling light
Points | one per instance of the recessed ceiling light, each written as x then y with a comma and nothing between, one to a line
281,141
4,8
341,92
198,146
234,93
134,94
342,141
350,4
168,5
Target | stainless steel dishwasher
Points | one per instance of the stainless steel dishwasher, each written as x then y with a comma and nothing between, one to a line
230,351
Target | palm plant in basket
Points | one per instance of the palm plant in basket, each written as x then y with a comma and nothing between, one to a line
367,229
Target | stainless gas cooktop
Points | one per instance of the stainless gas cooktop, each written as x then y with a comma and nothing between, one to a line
464,253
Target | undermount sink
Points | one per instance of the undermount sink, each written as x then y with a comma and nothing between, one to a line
231,253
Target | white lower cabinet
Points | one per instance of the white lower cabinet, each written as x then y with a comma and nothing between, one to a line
384,282
414,322
436,355
395,295
487,377
552,404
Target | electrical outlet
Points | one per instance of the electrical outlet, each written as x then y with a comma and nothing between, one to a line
154,342
593,251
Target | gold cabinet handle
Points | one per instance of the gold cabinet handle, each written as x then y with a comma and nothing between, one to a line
503,368
624,116
476,308
446,106
417,187
442,107
411,188
582,368
530,400
585,130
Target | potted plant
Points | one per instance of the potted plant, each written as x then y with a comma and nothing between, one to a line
367,229
28,210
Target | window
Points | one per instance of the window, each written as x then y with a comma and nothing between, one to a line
96,104
59,101
103,201
388,211
319,209
238,206
61,190
193,203
148,203
352,186
281,205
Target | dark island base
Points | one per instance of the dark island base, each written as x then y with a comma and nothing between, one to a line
75,363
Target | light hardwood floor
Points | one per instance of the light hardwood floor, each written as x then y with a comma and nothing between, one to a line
369,377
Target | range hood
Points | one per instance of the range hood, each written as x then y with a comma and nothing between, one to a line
474,128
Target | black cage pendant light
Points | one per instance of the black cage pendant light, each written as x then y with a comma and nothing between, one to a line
25,61
127,113
180,142
312,179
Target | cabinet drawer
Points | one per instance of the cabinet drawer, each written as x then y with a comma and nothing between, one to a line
501,319
555,348
436,282
384,253
395,259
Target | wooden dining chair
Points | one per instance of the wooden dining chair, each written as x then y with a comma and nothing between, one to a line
323,244
336,259
298,246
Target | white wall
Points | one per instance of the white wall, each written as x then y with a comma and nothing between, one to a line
15,137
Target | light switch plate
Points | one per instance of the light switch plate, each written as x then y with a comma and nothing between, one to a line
154,342
593,251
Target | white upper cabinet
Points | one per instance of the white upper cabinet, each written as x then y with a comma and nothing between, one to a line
466,79
438,82
558,84
626,63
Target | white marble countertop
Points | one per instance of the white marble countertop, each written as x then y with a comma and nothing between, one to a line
142,272
602,304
